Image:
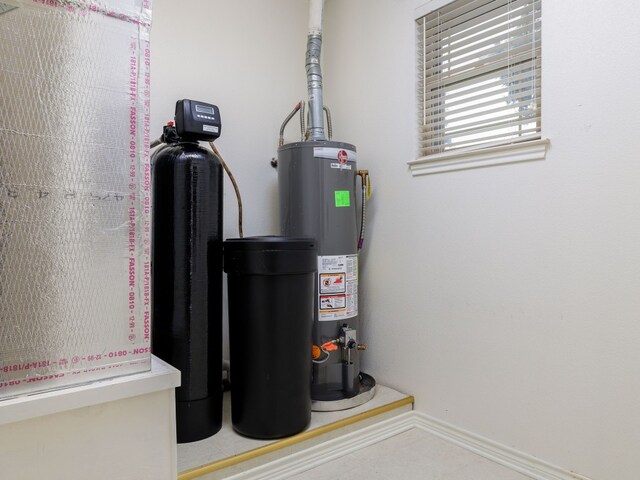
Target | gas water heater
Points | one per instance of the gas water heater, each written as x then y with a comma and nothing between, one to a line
317,189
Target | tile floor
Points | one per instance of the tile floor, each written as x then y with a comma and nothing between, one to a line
414,454
227,443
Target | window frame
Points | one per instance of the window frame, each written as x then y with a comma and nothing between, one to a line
475,156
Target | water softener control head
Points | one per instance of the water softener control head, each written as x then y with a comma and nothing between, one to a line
197,120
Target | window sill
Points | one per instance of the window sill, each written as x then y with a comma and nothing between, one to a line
485,157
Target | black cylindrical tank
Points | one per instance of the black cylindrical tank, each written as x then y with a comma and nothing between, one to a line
187,282
271,282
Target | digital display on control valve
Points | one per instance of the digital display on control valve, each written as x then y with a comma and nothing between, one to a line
205,109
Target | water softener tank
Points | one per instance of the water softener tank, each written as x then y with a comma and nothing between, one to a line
270,282
187,279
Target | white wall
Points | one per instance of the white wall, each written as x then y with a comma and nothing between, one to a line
247,57
506,299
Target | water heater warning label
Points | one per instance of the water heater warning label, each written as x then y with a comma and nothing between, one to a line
333,282
337,287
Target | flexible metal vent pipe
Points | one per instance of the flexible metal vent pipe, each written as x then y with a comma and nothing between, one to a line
314,74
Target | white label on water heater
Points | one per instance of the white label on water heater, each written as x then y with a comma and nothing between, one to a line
341,166
337,287
340,154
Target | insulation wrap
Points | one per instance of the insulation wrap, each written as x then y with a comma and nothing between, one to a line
74,192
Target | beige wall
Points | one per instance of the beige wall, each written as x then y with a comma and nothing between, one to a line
506,298
247,57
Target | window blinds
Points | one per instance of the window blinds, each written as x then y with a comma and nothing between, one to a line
478,74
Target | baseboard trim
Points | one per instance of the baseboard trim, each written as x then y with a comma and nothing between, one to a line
338,447
329,450
509,457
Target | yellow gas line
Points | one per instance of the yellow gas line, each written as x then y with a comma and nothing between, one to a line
287,442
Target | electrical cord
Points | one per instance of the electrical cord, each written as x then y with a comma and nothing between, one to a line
235,186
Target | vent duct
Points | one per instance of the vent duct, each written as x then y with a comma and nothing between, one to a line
314,73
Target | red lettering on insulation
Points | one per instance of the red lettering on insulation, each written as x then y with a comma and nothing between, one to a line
133,186
17,367
146,193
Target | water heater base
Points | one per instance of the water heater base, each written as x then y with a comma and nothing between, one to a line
366,393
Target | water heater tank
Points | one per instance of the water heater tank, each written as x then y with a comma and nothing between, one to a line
317,183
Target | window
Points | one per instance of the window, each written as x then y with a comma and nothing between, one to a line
479,76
